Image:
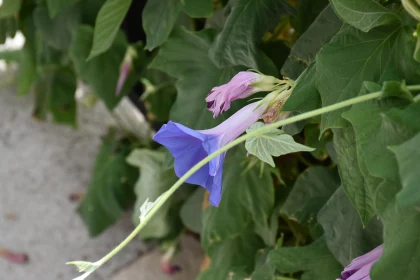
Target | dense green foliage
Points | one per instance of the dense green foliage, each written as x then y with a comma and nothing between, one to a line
314,211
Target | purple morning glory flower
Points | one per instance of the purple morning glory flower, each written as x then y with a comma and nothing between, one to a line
359,268
189,146
240,86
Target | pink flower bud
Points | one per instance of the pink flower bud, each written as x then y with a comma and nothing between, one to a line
240,86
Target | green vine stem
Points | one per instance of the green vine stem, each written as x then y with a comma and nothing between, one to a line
165,196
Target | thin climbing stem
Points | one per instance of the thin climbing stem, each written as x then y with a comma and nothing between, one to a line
165,196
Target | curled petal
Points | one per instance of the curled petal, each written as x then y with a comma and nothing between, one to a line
240,86
359,268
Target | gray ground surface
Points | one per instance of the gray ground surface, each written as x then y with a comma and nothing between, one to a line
40,165
147,268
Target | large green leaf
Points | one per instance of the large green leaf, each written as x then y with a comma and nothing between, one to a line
359,185
9,8
375,131
159,17
247,199
110,190
101,72
63,97
191,210
27,66
344,232
353,56
27,69
107,24
159,96
408,157
55,93
276,52
198,8
43,95
396,89
153,181
8,28
401,245
244,28
325,26
389,126
311,191
90,10
229,255
159,103
268,231
56,6
404,120
364,14
306,13
264,269
313,139
305,96
57,31
315,260
351,176
272,143
185,56
46,55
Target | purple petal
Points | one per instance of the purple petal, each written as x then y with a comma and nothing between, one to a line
230,130
189,147
185,146
215,187
362,273
219,98
212,144
360,265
